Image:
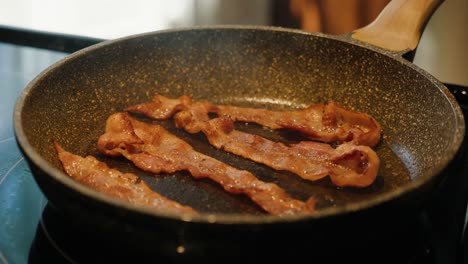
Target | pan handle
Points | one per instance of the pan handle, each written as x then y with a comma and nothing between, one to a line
399,26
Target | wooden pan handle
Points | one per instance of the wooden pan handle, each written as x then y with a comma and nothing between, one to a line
399,26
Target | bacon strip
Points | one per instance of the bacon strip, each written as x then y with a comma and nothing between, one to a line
329,122
152,148
124,186
347,165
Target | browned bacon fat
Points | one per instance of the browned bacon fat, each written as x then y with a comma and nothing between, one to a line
329,122
347,165
124,186
151,148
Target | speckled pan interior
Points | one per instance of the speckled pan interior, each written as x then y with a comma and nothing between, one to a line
263,67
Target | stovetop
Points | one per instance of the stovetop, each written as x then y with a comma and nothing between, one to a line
21,201
52,243
33,231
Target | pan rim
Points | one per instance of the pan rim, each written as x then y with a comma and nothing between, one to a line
61,177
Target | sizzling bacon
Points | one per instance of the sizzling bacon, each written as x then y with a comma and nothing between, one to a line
151,148
329,122
124,186
347,165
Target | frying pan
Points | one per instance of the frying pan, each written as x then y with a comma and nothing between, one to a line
275,68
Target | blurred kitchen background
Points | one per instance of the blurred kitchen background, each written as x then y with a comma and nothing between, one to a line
443,50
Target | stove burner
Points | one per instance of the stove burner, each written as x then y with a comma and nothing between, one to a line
54,239
59,241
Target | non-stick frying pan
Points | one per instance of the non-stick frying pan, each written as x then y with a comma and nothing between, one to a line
269,67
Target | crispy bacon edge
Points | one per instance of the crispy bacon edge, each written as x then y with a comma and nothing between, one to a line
152,148
124,186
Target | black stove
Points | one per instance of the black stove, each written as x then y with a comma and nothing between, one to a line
433,235
58,241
